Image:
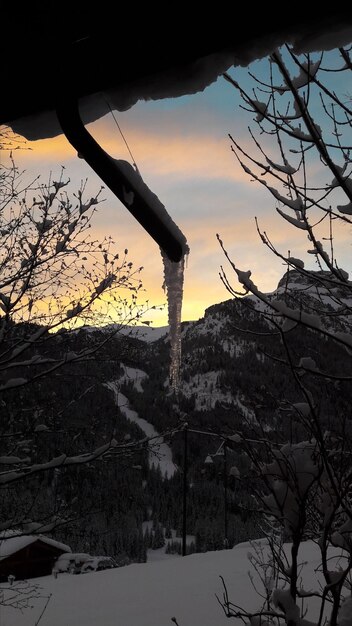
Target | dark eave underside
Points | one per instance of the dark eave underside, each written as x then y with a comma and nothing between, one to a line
49,47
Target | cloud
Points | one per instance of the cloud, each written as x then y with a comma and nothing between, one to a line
175,156
55,150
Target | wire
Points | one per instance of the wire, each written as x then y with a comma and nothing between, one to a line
123,136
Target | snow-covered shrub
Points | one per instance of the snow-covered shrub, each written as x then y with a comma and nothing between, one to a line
291,475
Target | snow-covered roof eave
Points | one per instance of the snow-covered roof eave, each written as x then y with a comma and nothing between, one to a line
193,78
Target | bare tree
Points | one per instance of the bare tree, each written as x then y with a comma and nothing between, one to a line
52,274
302,156
54,277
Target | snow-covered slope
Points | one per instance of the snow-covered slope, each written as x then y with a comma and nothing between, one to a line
143,333
133,375
225,362
160,453
152,594
149,333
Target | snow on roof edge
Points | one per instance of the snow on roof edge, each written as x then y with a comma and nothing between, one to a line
11,544
195,77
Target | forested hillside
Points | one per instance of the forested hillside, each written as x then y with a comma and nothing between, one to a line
232,380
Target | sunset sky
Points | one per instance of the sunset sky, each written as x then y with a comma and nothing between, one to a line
183,152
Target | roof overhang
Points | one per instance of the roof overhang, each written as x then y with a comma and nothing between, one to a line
51,49
59,57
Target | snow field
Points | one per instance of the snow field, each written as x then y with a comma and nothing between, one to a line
151,594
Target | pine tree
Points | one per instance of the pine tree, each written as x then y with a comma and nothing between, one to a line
168,533
158,537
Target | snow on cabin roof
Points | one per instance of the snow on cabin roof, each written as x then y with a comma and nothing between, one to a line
11,542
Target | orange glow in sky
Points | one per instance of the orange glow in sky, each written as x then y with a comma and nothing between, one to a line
182,150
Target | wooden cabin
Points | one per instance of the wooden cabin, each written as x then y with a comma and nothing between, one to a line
28,556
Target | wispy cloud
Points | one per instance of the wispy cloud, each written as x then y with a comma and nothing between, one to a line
176,156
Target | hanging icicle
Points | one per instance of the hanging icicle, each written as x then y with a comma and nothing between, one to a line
173,283
173,271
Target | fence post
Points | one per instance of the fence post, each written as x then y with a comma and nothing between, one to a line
226,540
185,485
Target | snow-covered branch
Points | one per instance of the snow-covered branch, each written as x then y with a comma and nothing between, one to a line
301,473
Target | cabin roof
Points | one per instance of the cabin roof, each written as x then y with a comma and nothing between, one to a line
12,542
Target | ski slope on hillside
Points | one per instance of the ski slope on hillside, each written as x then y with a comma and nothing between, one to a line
151,594
160,453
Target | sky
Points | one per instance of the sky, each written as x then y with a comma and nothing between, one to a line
182,149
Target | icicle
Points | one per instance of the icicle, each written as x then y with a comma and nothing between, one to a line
173,283
173,272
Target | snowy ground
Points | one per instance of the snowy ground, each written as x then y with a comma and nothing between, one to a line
151,594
